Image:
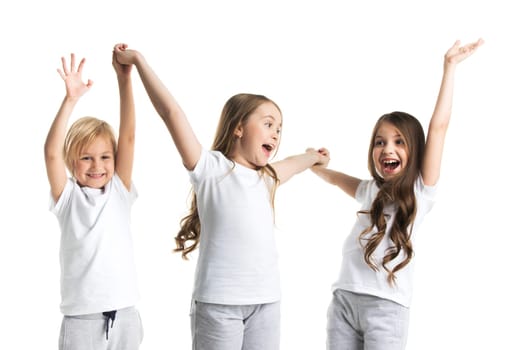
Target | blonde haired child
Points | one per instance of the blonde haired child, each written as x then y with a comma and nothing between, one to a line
371,298
237,291
98,277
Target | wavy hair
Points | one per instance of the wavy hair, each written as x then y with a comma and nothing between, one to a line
398,192
235,112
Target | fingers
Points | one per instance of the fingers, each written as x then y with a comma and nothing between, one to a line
65,71
61,73
64,66
458,53
323,151
120,47
81,65
72,62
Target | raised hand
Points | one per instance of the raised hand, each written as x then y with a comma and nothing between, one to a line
323,156
123,55
120,67
72,76
458,53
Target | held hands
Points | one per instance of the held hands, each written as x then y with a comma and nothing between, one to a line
72,76
122,69
322,154
458,53
123,56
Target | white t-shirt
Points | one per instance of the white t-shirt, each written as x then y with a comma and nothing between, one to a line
238,260
355,275
96,251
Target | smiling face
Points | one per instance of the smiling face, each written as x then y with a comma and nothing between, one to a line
390,151
96,163
258,137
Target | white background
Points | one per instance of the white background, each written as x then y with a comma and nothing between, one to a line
333,67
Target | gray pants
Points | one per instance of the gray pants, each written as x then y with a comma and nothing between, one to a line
235,327
88,332
359,321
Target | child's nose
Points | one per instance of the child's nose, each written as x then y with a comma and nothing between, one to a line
388,149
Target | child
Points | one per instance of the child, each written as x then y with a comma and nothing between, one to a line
369,309
236,296
98,277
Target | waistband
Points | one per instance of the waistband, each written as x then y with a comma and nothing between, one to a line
101,316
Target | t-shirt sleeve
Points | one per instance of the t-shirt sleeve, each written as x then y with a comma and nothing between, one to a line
132,194
56,207
428,192
362,191
209,162
425,195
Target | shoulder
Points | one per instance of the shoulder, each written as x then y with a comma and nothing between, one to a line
366,189
209,160
67,192
424,190
117,185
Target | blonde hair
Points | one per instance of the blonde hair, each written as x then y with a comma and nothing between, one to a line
81,134
398,191
235,112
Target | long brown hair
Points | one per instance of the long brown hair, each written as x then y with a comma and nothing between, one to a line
234,113
399,192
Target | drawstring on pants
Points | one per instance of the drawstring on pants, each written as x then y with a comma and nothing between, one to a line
109,315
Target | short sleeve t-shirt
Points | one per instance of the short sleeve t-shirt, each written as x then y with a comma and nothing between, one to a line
96,252
355,274
238,260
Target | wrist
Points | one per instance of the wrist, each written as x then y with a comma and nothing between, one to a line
71,99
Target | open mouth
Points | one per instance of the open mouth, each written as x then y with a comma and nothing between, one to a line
390,165
268,148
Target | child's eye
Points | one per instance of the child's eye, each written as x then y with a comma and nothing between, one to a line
106,157
400,142
379,143
85,158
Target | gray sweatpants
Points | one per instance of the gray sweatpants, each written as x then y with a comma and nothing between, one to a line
88,332
235,327
359,321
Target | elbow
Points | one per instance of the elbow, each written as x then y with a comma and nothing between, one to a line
439,126
51,157
50,153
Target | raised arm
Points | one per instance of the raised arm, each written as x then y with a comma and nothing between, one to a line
296,164
75,88
345,182
441,117
167,107
126,138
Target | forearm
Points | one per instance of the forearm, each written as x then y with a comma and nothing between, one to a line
301,162
161,98
171,113
55,165
55,137
438,127
443,108
126,137
345,182
127,109
293,165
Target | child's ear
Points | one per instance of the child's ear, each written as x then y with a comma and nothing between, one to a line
238,131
